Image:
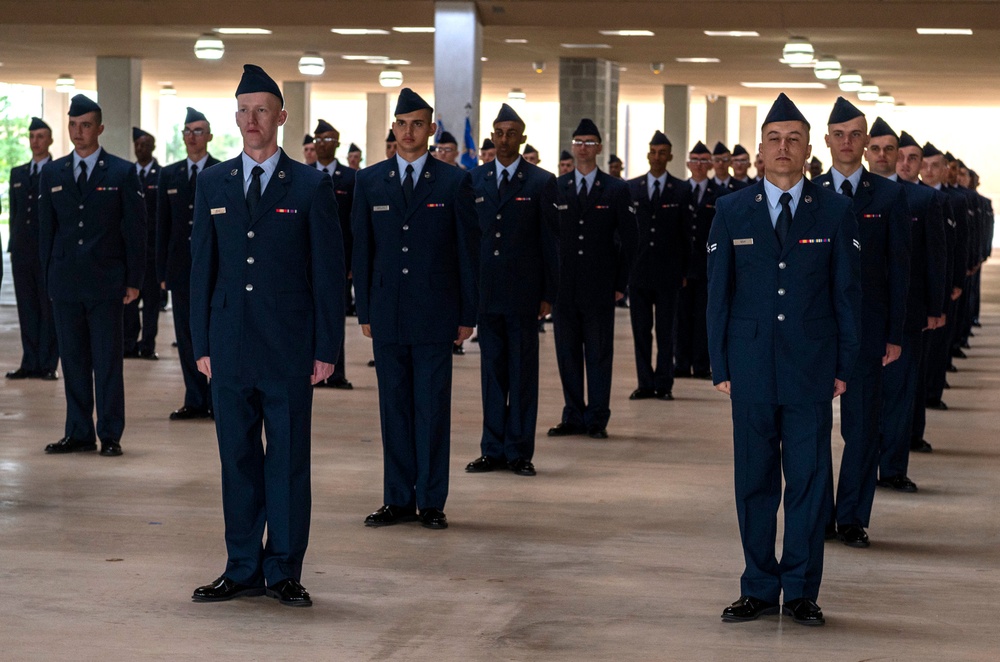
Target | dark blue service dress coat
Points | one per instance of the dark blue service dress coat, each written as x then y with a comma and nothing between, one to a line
149,293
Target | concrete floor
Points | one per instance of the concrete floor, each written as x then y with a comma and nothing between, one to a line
624,549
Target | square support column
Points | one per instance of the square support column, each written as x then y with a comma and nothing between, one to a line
676,124
377,128
588,87
298,96
119,92
716,120
749,134
458,69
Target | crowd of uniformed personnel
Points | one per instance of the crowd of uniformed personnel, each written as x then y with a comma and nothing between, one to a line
424,251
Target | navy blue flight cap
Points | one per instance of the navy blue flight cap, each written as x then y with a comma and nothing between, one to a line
256,79
659,138
508,114
614,159
409,102
81,105
565,156
446,137
139,133
38,123
528,149
353,149
881,128
739,150
949,157
783,110
391,138
816,162
308,140
488,144
931,150
586,127
699,148
906,140
843,111
323,126
194,116
720,149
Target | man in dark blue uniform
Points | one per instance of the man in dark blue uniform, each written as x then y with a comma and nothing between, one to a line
174,219
416,247
390,145
308,150
597,242
148,170
327,140
566,163
518,258
530,155
354,157
40,351
884,230
741,164
267,315
784,305
721,160
662,204
92,244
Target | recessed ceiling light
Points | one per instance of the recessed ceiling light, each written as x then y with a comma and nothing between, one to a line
484,59
257,31
732,33
357,31
828,68
626,33
961,31
868,92
389,62
364,57
698,60
850,81
585,45
416,29
168,91
209,47
312,64
515,41
798,50
790,86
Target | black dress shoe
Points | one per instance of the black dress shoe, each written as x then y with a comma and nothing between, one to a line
484,464
566,430
20,373
853,535
830,532
432,518
937,405
149,355
342,384
803,611
966,345
111,448
48,375
664,395
389,515
522,467
748,609
920,446
371,364
952,368
70,445
946,384
898,483
642,394
223,589
957,353
131,354
595,432
458,350
290,592
186,413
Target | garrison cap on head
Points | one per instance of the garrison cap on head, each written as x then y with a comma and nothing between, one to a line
816,162
323,126
739,150
256,79
881,128
843,111
194,116
949,157
81,105
565,156
528,149
783,110
446,137
659,138
409,102
720,149
353,149
432,148
906,140
930,150
391,138
38,123
488,144
139,133
308,140
586,127
508,114
699,148
614,159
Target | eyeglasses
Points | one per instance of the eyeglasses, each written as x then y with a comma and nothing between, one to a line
742,161
328,139
721,159
194,132
700,161
585,143
446,150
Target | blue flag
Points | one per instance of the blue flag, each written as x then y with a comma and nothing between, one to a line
470,157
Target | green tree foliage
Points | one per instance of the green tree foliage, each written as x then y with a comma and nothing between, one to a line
13,147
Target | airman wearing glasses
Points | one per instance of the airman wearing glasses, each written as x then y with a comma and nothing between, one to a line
722,158
741,164
447,149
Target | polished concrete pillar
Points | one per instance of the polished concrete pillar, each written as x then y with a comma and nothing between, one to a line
298,95
55,105
119,92
676,124
377,128
716,120
588,87
749,133
458,47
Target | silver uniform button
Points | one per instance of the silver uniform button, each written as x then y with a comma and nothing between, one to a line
781,317
190,206
250,260
80,242
580,237
81,207
249,287
497,235
29,208
405,249
81,224
652,229
496,252
406,227
581,221
781,291
405,270
250,234
652,244
782,265
190,222
579,252
499,216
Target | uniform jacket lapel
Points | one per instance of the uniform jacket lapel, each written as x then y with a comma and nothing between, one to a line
276,189
236,200
804,218
516,183
97,177
423,188
491,186
761,220
863,196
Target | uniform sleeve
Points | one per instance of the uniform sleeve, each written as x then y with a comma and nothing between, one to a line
204,267
550,247
721,275
326,252
134,229
164,222
469,237
361,252
628,235
899,264
846,279
937,258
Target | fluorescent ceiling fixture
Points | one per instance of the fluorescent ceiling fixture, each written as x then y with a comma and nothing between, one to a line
962,31
385,62
66,84
517,94
484,59
788,86
585,45
797,50
312,64
626,33
868,92
364,58
390,78
850,81
515,41
827,68
168,91
347,32
257,31
417,29
698,60
209,47
799,65
732,33
885,100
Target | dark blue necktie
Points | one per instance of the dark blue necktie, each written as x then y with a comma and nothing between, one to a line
784,218
253,192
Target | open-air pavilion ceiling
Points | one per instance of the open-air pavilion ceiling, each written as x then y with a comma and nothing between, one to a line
41,40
